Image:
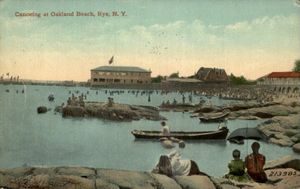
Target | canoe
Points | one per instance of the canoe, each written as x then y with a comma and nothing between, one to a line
214,118
201,135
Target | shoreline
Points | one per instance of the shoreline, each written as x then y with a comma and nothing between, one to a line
94,178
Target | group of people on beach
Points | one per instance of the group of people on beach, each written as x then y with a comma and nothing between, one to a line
172,165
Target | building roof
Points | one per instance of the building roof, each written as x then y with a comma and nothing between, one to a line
120,69
203,72
284,75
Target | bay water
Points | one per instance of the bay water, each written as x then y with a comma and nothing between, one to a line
31,139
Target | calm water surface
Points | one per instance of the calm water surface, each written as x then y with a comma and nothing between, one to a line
27,138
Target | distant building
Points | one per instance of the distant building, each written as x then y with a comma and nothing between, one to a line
212,75
280,78
114,75
284,82
180,83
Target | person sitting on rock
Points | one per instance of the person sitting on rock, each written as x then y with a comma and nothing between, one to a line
69,101
237,168
255,164
110,102
173,165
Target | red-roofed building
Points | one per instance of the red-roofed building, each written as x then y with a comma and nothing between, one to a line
284,81
284,75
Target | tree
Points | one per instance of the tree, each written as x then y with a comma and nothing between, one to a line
157,79
174,75
240,80
297,66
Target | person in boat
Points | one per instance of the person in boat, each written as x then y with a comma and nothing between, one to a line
255,164
165,129
172,165
237,168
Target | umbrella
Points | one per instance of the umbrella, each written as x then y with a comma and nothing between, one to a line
247,133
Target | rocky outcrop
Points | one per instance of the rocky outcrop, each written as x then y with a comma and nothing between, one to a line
282,130
178,107
269,111
250,111
283,171
284,162
116,112
90,178
296,148
41,109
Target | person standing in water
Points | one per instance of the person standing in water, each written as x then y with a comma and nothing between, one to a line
165,130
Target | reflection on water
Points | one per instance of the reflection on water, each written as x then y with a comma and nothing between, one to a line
48,139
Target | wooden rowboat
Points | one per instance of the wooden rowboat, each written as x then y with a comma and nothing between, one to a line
217,118
201,135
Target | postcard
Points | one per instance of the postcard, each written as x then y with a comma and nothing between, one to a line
149,94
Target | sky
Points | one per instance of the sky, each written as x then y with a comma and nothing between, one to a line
250,38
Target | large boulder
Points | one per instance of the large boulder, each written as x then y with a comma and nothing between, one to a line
296,148
45,181
41,109
165,182
73,111
296,138
286,178
77,171
284,162
127,179
195,182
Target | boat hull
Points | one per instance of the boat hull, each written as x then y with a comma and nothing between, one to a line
206,135
214,119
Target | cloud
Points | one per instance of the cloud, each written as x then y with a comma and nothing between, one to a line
180,45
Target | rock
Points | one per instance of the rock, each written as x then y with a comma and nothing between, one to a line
127,179
206,109
58,109
165,182
100,183
248,117
284,162
18,172
291,132
43,171
281,142
296,148
263,115
77,171
42,109
195,182
117,112
33,181
70,182
282,130
46,181
296,138
7,181
73,111
287,178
